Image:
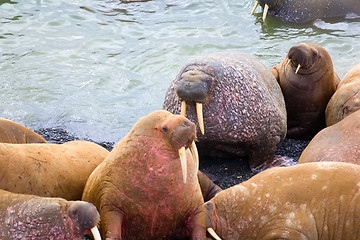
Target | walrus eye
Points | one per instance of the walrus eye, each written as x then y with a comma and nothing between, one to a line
164,128
74,212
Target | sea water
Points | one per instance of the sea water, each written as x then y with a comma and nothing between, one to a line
94,67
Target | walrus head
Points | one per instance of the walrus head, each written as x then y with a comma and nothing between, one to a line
84,217
180,133
194,88
272,5
305,58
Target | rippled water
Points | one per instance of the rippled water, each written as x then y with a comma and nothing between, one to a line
95,67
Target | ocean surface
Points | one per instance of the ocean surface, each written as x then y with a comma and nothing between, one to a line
94,67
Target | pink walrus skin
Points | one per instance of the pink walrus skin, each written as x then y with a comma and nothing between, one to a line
148,187
32,217
306,201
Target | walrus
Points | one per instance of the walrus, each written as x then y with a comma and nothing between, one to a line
338,142
49,170
147,187
12,132
305,201
237,103
307,80
346,98
25,216
301,11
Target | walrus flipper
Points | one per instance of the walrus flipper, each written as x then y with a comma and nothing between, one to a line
208,188
111,222
275,71
197,224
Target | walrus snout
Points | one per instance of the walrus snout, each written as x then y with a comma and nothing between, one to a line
193,86
184,134
85,214
302,56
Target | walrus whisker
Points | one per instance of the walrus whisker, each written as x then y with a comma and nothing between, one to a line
182,155
195,154
297,69
199,112
253,10
213,233
266,9
183,108
96,233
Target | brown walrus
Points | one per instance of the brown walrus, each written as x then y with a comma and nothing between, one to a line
147,187
346,98
305,201
307,80
49,170
339,142
237,103
11,132
32,217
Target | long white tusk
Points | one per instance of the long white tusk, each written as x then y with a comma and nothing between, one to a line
266,9
287,63
182,155
297,69
253,10
183,108
213,233
96,234
200,117
195,155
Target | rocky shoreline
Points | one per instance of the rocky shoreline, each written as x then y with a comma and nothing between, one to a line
224,172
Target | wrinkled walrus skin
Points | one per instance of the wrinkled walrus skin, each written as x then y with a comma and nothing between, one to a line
139,188
244,110
346,98
32,217
307,80
307,201
11,132
301,11
339,142
49,170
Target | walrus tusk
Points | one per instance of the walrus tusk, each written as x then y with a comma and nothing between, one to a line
96,234
253,10
266,9
213,233
200,117
182,155
183,108
297,69
195,154
287,63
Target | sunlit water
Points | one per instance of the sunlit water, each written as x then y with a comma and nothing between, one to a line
95,67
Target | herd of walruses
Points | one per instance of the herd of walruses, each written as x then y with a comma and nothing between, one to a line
223,104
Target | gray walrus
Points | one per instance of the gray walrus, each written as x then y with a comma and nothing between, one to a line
338,142
300,11
305,201
237,103
346,98
32,217
148,187
49,170
12,132
307,80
